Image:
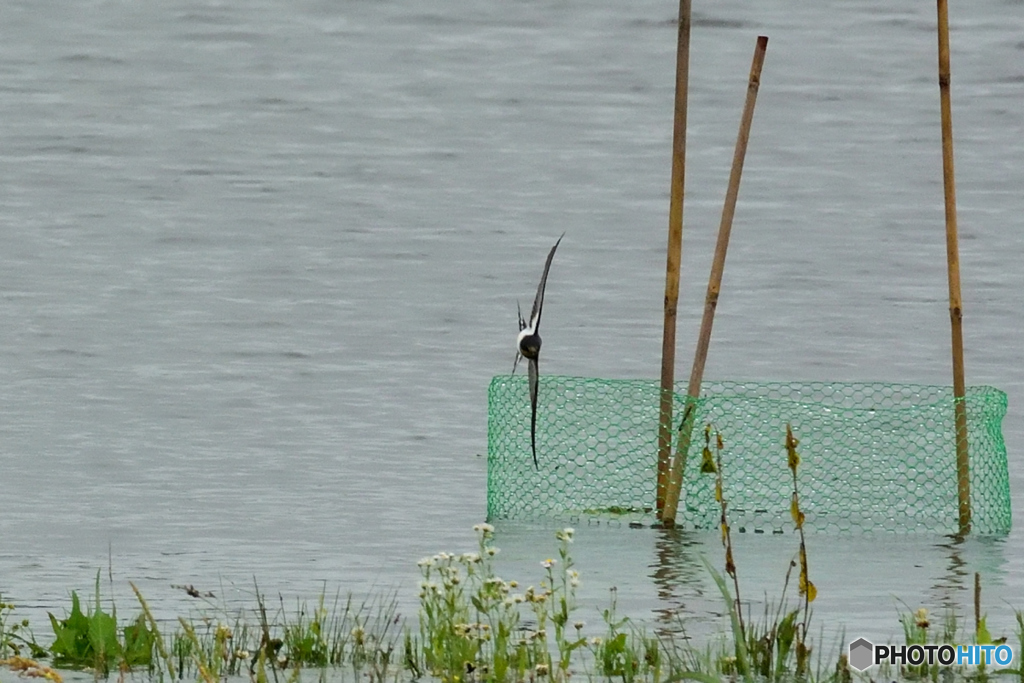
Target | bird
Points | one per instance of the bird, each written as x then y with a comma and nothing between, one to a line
528,346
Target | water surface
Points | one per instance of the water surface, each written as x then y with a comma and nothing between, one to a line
261,260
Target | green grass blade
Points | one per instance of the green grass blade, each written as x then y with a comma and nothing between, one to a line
742,661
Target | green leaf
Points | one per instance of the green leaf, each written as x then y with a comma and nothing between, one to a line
139,641
577,644
693,676
983,637
787,631
72,636
742,662
103,641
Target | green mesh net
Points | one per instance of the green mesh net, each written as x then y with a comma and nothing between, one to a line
874,456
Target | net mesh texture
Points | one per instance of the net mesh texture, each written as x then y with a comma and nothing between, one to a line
874,456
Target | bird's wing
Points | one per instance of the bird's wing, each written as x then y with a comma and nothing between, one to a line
533,409
538,302
522,325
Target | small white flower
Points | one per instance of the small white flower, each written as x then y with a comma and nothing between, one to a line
491,551
469,558
548,563
596,640
483,528
579,625
426,562
565,534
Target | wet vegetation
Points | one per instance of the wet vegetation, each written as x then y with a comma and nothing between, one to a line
474,626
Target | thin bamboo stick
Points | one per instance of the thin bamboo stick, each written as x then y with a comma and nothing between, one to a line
963,468
714,286
675,250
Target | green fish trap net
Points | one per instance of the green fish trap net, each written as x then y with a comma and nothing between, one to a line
874,456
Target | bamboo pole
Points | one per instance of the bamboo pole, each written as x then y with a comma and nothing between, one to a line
963,469
714,286
675,250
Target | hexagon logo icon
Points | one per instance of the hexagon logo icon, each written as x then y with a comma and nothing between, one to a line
861,654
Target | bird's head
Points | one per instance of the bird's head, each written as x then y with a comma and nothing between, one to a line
529,346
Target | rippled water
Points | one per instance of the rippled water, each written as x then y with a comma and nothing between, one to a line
261,259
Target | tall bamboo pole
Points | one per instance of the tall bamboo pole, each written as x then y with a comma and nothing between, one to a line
714,286
675,251
963,468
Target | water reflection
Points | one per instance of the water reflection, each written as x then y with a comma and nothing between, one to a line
678,576
963,557
913,571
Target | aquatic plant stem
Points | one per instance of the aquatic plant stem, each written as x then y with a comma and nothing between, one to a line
730,564
963,470
159,641
675,481
675,252
806,588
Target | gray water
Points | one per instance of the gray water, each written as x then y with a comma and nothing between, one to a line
260,260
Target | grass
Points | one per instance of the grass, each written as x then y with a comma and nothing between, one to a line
474,626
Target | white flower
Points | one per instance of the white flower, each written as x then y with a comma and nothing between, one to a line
426,562
596,640
548,563
483,528
574,578
469,558
491,551
579,625
565,534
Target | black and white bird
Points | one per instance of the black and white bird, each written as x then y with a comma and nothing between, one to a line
528,347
